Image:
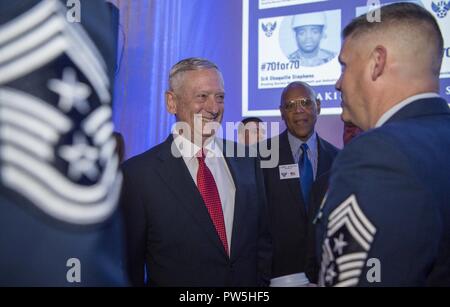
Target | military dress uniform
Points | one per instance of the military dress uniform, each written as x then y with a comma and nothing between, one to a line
386,218
59,178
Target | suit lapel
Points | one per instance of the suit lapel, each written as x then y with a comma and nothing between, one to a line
240,204
240,209
324,160
174,172
320,185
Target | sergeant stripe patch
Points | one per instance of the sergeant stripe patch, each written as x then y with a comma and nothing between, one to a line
348,240
56,146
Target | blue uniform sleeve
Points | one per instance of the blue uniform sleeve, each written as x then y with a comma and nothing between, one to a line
135,228
59,177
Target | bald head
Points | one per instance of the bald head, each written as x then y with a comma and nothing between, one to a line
299,109
410,30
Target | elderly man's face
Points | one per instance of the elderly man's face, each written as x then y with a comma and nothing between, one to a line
309,37
199,93
300,120
351,84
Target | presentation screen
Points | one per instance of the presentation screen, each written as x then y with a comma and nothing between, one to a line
300,40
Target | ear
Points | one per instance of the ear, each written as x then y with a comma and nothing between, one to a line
379,57
171,104
318,105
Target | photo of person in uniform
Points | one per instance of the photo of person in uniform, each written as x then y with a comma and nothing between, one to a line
309,31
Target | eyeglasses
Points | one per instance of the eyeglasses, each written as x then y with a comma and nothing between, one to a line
304,103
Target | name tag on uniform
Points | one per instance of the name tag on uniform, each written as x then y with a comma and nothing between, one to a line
289,171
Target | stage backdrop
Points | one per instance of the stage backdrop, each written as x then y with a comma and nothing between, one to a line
250,40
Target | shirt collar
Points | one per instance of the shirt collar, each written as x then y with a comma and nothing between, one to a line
190,150
295,144
389,113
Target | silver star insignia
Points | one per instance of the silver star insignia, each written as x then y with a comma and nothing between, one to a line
81,158
339,244
330,275
73,94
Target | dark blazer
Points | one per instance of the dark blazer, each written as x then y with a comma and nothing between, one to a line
388,206
170,231
318,193
288,217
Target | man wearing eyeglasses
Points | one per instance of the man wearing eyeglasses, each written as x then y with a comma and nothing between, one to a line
303,156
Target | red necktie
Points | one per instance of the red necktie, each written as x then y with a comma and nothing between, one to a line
208,189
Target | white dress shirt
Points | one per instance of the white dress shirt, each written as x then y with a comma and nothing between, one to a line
219,169
296,150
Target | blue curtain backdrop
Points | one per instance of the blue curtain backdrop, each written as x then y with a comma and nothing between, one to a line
154,35
148,44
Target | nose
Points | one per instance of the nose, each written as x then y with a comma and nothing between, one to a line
308,35
338,83
299,108
212,106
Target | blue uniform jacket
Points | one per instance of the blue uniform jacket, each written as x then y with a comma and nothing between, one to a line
386,219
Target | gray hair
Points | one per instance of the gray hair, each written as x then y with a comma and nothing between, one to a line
185,65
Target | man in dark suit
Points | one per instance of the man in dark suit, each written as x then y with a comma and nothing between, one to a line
288,186
386,219
195,213
59,176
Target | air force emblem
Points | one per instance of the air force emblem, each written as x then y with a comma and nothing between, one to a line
441,8
56,145
348,241
268,28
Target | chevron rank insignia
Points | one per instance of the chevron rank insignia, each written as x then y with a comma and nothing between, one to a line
348,241
56,143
